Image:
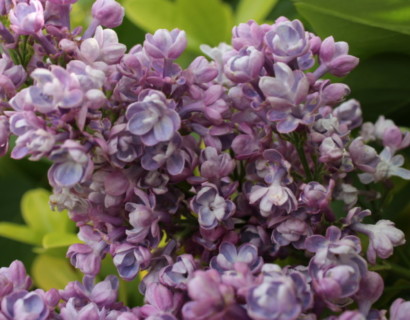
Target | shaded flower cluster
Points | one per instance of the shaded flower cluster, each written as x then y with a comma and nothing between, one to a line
232,162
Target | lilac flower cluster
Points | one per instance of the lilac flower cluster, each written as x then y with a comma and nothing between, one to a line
233,163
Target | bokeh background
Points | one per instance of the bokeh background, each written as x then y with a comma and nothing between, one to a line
378,32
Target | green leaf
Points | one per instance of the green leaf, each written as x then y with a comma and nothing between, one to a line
382,85
19,233
39,216
257,10
52,272
57,240
205,21
369,26
151,14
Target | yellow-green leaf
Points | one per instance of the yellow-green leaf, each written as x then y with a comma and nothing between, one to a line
256,10
52,272
151,14
39,216
20,233
58,240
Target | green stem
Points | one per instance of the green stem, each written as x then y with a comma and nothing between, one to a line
399,270
303,160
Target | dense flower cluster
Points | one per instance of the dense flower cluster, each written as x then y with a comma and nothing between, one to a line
233,163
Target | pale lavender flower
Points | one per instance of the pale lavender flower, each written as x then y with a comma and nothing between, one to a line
211,207
200,71
364,157
388,165
164,44
25,305
89,311
160,300
316,197
36,143
275,195
215,166
245,66
211,299
334,58
349,114
383,236
11,77
286,92
144,220
279,296
165,153
123,147
152,118
371,288
348,315
4,135
229,255
177,274
400,309
104,46
13,278
54,89
72,164
103,294
27,18
130,259
85,258
292,230
287,40
337,268
248,34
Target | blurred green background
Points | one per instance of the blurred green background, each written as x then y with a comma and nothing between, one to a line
378,32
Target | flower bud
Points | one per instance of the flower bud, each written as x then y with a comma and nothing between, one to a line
164,44
109,13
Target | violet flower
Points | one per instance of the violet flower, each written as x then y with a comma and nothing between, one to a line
71,165
129,260
27,18
177,274
383,236
211,207
164,44
287,40
400,309
286,92
25,305
245,66
229,255
152,118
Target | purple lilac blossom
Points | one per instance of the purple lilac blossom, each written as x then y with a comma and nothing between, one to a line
152,118
204,157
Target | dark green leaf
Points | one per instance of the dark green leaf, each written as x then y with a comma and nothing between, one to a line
382,85
369,26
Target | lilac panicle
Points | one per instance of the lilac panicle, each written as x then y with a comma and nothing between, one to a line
232,162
